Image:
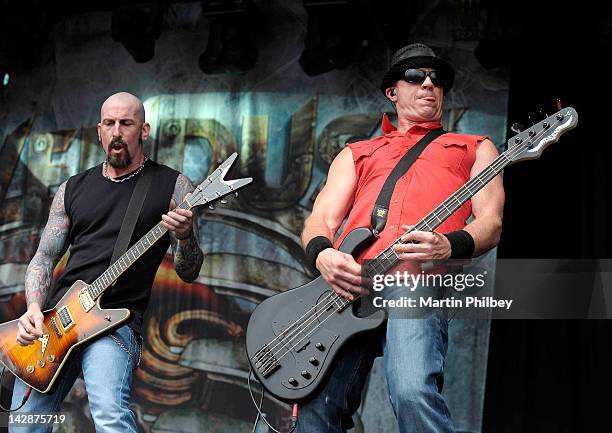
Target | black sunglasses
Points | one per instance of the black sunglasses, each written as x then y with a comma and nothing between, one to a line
417,76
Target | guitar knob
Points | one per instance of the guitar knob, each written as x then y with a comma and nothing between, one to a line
41,363
50,358
292,381
30,369
320,346
545,125
211,207
223,201
313,361
305,374
517,127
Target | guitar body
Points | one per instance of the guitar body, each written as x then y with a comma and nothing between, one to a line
65,327
292,337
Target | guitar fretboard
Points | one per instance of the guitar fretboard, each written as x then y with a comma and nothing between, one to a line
128,258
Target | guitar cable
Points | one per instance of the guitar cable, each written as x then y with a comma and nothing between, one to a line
26,395
294,412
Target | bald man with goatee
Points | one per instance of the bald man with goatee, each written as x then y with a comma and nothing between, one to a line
86,215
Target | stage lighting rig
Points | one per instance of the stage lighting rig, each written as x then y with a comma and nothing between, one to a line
334,35
231,45
137,27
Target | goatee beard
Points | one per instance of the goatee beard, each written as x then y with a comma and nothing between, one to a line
119,161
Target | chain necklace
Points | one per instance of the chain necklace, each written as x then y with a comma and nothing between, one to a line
134,173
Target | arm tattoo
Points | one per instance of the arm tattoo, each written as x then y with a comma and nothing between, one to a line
51,248
188,256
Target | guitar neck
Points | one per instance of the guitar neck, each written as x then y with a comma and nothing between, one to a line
123,263
388,258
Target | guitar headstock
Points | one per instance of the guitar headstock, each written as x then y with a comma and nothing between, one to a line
215,186
530,143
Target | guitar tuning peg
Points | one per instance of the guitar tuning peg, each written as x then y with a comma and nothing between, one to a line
517,127
558,104
211,207
223,201
236,194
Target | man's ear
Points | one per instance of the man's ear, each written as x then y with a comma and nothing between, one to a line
144,133
390,94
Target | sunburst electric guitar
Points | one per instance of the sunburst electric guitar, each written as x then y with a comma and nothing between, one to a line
292,337
78,317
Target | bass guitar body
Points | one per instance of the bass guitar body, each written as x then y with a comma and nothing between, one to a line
292,337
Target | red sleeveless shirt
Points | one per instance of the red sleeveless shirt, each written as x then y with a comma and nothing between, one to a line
440,170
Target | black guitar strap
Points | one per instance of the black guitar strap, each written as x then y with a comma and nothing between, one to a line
381,207
133,211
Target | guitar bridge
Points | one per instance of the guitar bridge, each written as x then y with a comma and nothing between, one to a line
265,362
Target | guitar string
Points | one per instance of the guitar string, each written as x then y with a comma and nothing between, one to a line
517,149
290,326
101,285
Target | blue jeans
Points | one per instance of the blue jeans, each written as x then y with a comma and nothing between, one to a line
414,351
107,371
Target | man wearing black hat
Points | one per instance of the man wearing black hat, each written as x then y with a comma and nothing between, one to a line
414,350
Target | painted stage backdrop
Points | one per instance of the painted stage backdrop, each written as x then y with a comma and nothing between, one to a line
287,127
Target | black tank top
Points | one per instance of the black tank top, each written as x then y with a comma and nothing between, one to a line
96,207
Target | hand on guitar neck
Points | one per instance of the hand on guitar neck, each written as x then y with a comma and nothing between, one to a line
30,325
179,221
422,246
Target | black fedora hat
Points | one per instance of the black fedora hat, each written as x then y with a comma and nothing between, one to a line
416,56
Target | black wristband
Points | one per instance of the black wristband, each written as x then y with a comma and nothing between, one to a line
314,247
462,244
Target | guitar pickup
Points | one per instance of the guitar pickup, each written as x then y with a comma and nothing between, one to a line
65,318
55,327
86,300
340,303
302,343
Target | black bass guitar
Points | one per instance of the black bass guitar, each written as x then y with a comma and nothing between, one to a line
292,337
